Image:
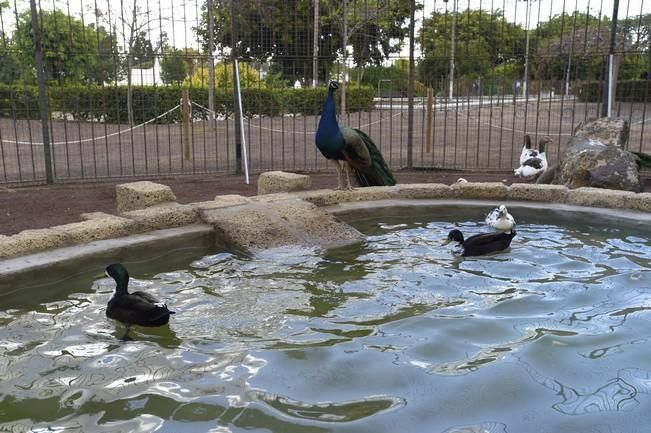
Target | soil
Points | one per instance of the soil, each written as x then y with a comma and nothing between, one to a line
45,206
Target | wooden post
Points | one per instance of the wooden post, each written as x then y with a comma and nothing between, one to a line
430,101
187,137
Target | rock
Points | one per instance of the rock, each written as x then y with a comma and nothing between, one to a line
260,225
279,181
594,158
608,131
141,195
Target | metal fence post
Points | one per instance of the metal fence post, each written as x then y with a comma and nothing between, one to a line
609,85
42,97
236,95
410,87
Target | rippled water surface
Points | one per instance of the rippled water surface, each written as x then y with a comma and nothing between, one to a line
395,335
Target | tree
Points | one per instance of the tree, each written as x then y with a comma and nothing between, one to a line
483,42
10,69
173,67
71,52
571,46
281,32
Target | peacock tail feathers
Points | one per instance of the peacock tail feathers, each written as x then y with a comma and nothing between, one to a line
644,159
378,172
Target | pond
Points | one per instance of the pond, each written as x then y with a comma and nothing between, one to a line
396,334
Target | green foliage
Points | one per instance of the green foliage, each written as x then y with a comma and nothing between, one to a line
278,30
109,102
10,69
483,41
173,67
627,91
72,52
224,76
390,80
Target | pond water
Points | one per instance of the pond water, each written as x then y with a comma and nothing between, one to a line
395,335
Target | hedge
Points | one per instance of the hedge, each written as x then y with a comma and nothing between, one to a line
109,103
627,91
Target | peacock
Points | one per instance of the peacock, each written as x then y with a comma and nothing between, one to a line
350,147
137,308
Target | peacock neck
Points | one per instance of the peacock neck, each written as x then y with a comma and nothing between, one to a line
329,137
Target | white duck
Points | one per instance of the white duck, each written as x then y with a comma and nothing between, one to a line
533,162
500,219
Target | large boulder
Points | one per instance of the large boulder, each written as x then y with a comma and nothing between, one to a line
595,158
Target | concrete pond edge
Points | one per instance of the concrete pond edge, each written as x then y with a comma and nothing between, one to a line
305,218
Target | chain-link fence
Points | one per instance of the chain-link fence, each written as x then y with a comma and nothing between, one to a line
98,89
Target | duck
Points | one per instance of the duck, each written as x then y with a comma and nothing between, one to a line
500,219
533,162
137,308
481,244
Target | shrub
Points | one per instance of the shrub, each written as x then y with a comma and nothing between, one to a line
627,91
109,103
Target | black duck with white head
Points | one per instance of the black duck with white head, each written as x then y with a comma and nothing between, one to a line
483,243
137,308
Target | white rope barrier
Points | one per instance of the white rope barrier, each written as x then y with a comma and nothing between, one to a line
93,139
280,131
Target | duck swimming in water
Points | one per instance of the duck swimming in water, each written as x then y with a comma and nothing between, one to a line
483,243
137,308
500,219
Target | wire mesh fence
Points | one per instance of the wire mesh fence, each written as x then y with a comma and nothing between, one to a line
93,90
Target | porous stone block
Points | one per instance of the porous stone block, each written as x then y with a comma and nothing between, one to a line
537,192
141,195
424,191
279,181
329,197
326,197
163,216
599,197
29,241
479,190
98,228
261,225
88,216
221,201
641,202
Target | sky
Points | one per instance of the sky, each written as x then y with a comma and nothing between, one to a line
181,15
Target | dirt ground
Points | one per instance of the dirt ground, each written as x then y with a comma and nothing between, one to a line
46,206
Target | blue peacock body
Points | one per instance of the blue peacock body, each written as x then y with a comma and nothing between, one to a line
352,147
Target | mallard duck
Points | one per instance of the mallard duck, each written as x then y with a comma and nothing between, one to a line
500,219
532,162
137,308
483,243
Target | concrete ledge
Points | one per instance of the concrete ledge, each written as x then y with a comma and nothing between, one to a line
29,241
641,202
424,190
178,244
281,181
97,228
598,197
163,216
479,190
140,195
537,192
